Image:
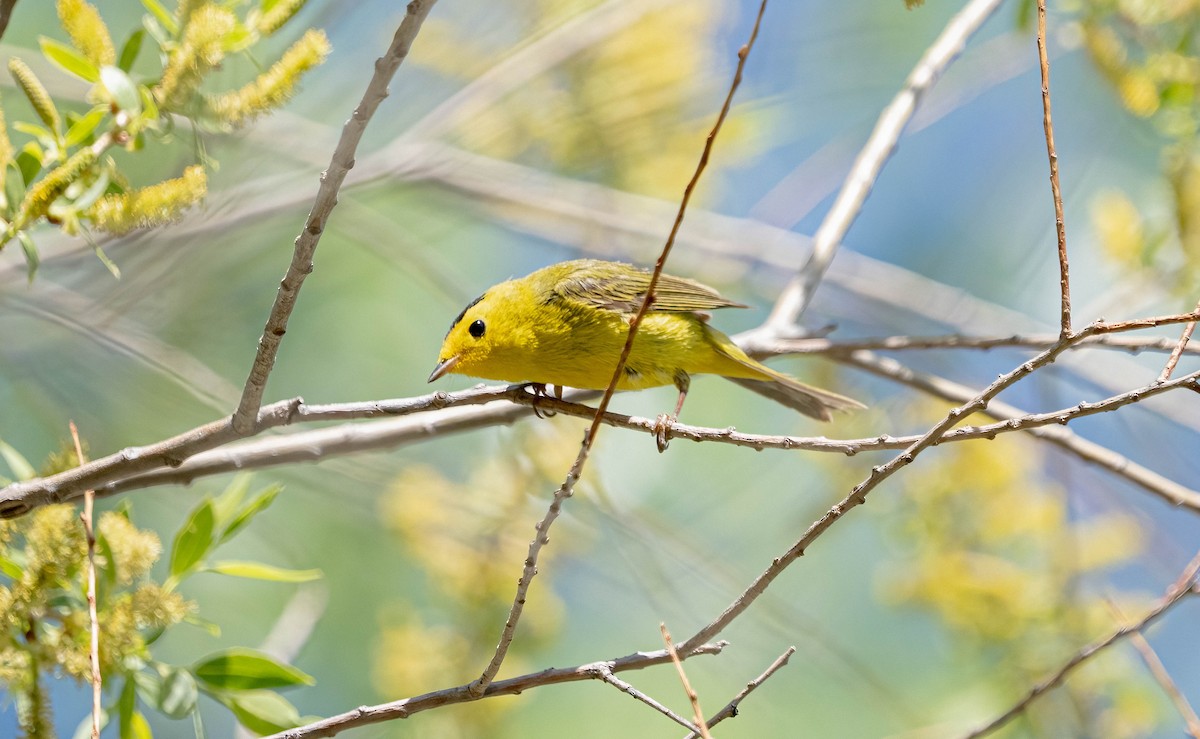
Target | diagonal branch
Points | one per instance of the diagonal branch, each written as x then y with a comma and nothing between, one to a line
731,708
306,243
879,148
566,490
1182,586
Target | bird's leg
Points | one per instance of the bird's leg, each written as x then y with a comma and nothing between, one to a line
662,424
539,391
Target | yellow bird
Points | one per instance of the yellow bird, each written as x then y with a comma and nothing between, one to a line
565,325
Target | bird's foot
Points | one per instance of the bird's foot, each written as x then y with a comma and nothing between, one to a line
538,389
662,431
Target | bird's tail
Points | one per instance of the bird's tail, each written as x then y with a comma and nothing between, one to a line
756,376
809,400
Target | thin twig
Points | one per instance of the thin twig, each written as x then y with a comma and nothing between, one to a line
1180,346
406,707
1181,587
731,708
1159,671
625,687
331,181
1064,282
875,153
693,698
90,574
566,490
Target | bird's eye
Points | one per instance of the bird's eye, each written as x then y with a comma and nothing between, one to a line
476,329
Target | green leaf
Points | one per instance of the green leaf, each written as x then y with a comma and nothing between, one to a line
227,503
239,668
130,50
172,690
83,128
41,133
122,89
209,627
31,254
262,711
139,728
260,571
126,707
193,541
68,59
17,462
14,183
165,17
260,503
11,569
29,161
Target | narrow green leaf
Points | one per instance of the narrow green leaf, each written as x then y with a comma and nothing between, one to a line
260,503
109,264
165,17
193,541
260,571
239,668
41,133
262,711
126,706
68,59
83,128
129,51
209,627
17,462
122,89
230,499
11,569
31,254
14,183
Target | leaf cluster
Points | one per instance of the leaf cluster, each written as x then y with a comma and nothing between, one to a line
63,172
45,628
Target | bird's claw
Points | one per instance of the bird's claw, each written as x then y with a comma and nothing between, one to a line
662,431
538,389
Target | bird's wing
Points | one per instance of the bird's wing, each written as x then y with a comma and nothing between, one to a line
623,290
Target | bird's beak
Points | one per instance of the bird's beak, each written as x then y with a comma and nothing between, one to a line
443,367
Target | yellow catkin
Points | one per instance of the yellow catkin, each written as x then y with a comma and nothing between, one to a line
149,206
186,8
272,20
273,87
200,51
35,91
39,198
87,30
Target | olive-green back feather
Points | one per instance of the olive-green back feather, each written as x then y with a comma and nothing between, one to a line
621,288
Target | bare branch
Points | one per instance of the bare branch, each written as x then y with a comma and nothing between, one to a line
89,531
875,153
607,676
1159,671
1064,282
731,708
1180,347
694,699
331,181
366,715
1181,587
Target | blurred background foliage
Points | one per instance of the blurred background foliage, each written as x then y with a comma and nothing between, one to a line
524,132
